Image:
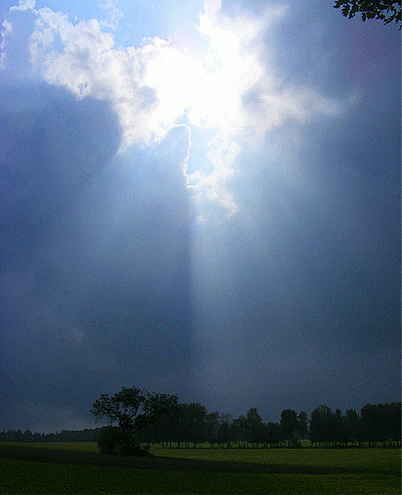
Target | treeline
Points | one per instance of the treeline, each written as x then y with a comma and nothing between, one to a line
190,425
87,435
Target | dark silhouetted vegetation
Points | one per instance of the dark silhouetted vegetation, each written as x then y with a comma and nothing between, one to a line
157,419
112,441
87,435
386,10
133,410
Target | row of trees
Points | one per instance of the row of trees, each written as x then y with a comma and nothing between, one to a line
87,435
376,423
141,416
190,425
161,419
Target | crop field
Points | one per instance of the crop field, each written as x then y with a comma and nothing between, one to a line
78,468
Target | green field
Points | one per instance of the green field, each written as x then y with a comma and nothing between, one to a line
378,460
352,471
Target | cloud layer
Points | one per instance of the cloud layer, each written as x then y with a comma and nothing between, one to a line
227,86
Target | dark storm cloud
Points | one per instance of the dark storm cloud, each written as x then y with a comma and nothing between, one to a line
341,244
48,155
95,264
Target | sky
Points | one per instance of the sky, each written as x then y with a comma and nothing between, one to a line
201,199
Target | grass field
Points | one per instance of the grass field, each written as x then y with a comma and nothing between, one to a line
367,471
370,460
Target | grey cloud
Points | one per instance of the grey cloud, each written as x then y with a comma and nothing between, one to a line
95,283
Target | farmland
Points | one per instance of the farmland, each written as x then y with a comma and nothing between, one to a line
78,468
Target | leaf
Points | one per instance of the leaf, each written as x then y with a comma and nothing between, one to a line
345,10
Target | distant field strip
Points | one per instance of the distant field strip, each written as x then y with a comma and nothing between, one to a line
373,460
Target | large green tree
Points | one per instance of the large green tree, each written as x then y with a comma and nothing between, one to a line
321,425
381,422
289,425
191,423
394,421
272,433
255,426
353,426
132,409
225,430
239,428
303,424
386,10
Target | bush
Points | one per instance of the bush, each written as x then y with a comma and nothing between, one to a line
109,440
112,441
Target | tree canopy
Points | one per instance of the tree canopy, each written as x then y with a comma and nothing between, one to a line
132,408
386,10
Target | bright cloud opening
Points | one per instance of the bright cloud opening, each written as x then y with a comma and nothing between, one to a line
153,88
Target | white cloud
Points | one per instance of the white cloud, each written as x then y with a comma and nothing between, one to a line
222,153
3,55
157,86
89,63
115,14
24,5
